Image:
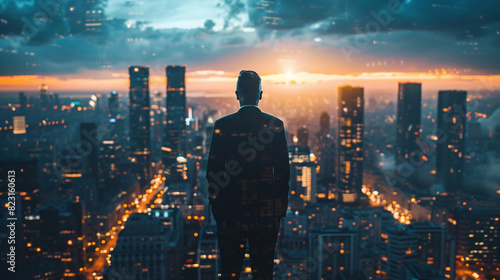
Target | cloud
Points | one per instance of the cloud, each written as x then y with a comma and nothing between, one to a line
461,18
233,41
425,35
40,22
234,10
120,47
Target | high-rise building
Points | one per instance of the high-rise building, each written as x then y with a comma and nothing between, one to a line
208,253
303,182
324,123
140,138
422,271
51,100
57,102
477,232
157,120
293,247
71,226
299,154
399,247
25,172
89,142
149,241
22,196
324,149
44,97
408,130
302,136
325,153
451,120
418,249
174,142
157,98
350,155
474,136
19,124
109,160
113,103
436,248
367,222
23,100
50,242
336,252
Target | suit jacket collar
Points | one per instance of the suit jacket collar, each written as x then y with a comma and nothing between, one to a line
249,108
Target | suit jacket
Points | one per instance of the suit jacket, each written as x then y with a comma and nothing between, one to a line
248,168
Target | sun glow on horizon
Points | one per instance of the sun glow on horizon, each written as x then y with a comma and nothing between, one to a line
220,81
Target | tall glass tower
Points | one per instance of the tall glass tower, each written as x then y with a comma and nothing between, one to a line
350,155
452,115
174,139
408,129
140,139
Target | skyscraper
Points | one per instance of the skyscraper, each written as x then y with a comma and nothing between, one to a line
324,149
324,122
174,140
44,97
302,136
26,176
437,247
476,229
207,253
452,114
140,152
23,100
408,129
399,247
89,143
57,102
113,103
338,251
303,182
350,155
152,243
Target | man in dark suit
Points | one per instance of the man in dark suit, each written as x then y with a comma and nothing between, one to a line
248,173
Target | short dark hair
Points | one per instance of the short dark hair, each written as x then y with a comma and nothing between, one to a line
248,85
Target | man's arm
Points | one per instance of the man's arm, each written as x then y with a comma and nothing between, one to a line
281,168
216,165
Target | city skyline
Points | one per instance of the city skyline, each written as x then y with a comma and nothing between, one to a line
173,200
390,111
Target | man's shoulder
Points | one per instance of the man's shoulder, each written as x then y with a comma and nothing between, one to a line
271,117
225,119
272,121
261,117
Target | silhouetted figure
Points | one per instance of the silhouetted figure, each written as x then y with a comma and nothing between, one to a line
248,173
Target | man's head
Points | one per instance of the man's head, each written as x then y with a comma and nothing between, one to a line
248,88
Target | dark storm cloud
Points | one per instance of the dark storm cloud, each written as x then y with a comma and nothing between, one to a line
463,33
426,49
120,47
459,33
61,44
290,14
348,17
40,22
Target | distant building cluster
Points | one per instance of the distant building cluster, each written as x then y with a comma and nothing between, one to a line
112,186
